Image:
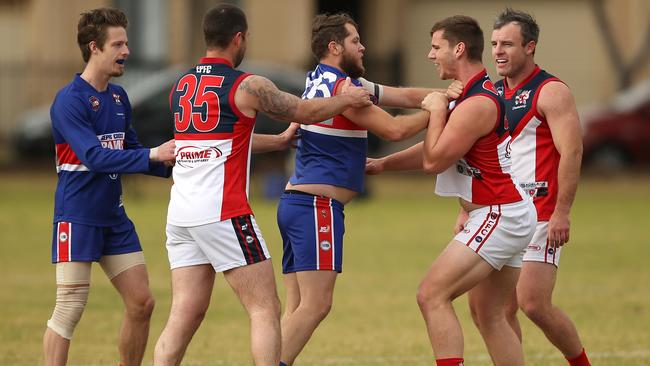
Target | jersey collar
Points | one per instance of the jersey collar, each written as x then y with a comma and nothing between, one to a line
509,92
215,60
473,80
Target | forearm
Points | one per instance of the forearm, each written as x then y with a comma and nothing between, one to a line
409,159
404,97
431,163
319,109
264,143
568,176
408,125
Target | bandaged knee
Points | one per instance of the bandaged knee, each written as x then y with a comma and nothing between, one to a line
73,285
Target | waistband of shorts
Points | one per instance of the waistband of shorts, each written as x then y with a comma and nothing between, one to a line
297,193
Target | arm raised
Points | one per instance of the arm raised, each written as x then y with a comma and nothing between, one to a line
257,93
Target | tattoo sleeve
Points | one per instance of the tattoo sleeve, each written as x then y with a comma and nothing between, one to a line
272,101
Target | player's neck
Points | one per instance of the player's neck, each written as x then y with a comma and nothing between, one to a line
521,75
217,53
93,76
333,62
468,70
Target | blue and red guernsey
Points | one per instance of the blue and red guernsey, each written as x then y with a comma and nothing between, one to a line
95,143
213,146
483,176
331,152
534,157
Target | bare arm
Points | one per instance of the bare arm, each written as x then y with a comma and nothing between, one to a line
408,159
557,105
390,128
448,141
257,93
265,143
407,97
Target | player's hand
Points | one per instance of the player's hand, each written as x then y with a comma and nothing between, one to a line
288,139
462,218
374,166
558,229
360,97
454,90
165,152
435,101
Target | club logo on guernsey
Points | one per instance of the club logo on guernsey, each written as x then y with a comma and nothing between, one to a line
521,98
191,156
94,103
63,237
325,245
117,99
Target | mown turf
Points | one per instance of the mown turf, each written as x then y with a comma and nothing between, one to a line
390,241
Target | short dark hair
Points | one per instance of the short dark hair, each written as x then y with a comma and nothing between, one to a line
526,22
460,28
222,23
327,28
93,26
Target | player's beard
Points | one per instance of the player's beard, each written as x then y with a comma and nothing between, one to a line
351,67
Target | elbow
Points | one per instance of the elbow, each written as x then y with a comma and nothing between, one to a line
431,167
395,135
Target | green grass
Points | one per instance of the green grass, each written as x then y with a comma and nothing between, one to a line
390,241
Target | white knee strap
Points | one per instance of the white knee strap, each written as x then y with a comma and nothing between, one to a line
70,304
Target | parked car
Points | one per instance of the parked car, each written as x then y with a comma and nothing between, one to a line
618,135
149,96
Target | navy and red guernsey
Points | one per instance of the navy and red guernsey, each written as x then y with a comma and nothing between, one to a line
95,143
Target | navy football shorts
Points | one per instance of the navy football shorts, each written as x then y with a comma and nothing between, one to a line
73,242
312,232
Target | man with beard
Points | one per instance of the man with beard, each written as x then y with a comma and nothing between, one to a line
210,225
329,172
546,156
96,144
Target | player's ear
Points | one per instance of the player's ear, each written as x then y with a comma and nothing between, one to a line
334,48
459,49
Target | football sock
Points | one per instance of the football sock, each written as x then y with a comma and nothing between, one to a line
449,362
581,360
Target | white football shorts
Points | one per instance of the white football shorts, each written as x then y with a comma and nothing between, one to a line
539,249
500,233
226,244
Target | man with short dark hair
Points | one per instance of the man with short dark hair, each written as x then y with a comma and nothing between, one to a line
210,224
469,150
95,144
546,156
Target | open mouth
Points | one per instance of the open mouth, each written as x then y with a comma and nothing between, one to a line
501,61
120,62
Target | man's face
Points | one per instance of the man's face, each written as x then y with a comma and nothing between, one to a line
442,55
352,56
508,51
115,51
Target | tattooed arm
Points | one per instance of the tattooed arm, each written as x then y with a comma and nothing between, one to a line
257,93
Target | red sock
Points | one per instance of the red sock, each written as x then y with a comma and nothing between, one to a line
581,360
449,362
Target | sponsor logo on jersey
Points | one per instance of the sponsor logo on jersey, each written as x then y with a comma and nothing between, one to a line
535,189
325,245
462,167
190,156
521,99
113,141
117,99
94,103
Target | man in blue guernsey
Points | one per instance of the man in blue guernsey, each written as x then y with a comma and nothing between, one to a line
329,173
95,144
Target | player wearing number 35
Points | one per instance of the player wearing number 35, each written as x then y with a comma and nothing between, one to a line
210,225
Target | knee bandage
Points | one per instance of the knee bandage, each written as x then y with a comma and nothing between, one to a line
73,281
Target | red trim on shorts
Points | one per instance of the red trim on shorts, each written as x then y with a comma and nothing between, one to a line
496,222
256,240
487,217
250,259
323,209
63,237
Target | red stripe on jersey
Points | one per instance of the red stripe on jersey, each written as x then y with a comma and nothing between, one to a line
65,155
64,237
547,159
203,136
324,233
496,222
236,171
339,121
233,105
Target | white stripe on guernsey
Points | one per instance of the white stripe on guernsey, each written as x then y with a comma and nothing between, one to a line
333,237
316,233
71,168
335,131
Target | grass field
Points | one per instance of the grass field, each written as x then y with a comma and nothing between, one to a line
604,281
